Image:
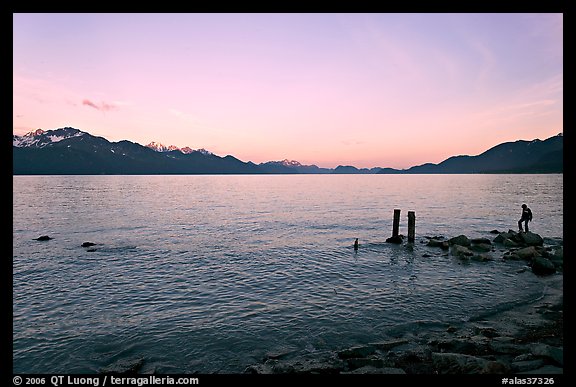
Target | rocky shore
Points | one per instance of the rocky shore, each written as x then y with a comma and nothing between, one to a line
524,339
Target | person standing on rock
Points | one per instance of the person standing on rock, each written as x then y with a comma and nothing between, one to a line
526,217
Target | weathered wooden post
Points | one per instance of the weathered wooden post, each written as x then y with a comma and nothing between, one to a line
396,224
411,226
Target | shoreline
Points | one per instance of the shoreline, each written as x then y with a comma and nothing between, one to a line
525,338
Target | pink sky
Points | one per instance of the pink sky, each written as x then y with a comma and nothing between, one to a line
369,90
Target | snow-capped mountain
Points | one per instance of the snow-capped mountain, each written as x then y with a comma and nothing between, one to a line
159,147
72,151
40,138
69,151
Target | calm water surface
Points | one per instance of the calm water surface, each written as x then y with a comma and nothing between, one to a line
212,273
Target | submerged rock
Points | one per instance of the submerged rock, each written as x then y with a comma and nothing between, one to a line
123,367
395,239
44,238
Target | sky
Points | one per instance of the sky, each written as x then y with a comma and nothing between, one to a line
368,90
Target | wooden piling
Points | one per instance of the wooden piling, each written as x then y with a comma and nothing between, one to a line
396,224
411,226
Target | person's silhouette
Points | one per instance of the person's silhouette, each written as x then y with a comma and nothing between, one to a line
526,217
356,244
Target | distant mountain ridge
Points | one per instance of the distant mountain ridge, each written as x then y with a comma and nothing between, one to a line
68,151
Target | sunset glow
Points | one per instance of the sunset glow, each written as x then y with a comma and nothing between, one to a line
369,90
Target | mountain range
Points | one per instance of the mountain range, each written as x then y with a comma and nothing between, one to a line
70,151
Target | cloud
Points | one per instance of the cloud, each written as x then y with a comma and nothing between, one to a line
104,106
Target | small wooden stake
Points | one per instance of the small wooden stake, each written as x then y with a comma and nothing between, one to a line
411,226
396,224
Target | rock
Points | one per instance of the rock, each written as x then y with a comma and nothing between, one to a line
542,266
544,350
438,243
481,248
494,232
531,239
88,244
460,240
387,345
480,241
123,367
364,362
481,257
355,352
395,239
527,253
507,348
468,346
500,238
373,370
43,238
510,243
460,251
489,332
559,254
456,363
526,365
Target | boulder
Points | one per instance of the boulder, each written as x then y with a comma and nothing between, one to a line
527,253
461,240
531,239
43,238
461,251
542,266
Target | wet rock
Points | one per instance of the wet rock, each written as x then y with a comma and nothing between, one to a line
543,266
527,253
88,244
123,367
387,345
460,251
547,351
460,240
481,247
482,257
438,243
455,363
510,243
531,239
494,232
43,238
354,363
507,348
355,352
485,331
526,365
468,346
375,370
480,241
395,239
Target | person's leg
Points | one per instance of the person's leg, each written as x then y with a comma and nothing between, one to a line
520,225
526,225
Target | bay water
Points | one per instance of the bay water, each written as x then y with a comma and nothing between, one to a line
209,274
